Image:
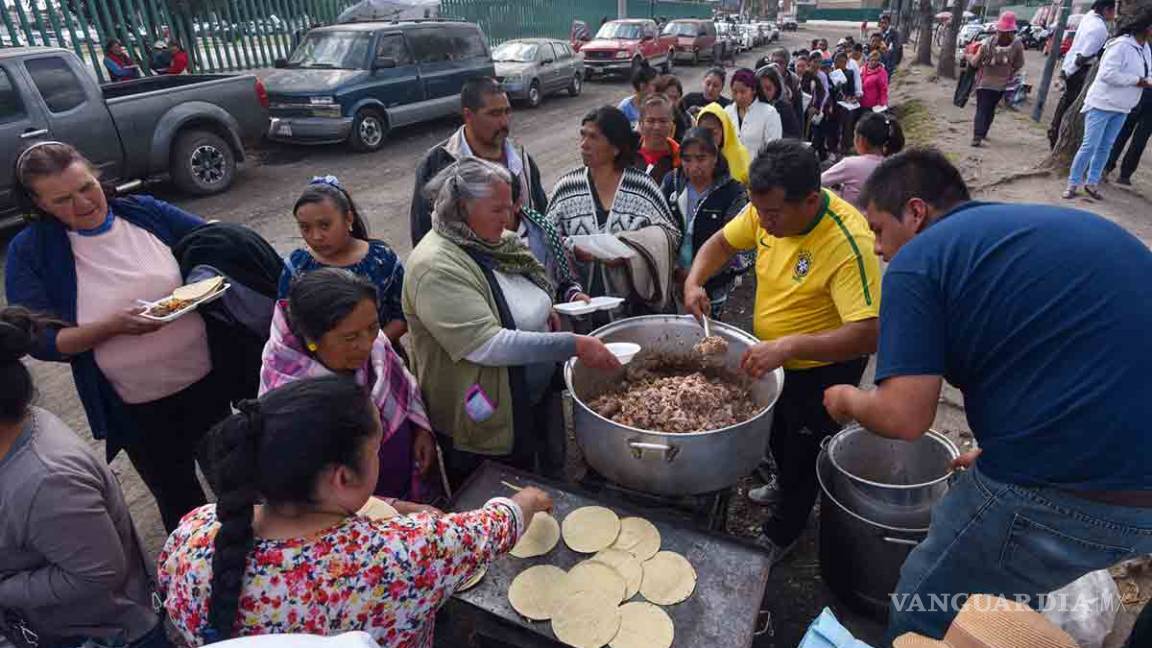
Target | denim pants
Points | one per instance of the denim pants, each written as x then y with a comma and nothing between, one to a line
991,537
1101,127
986,102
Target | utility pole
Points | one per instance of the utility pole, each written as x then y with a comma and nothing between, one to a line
1050,65
621,9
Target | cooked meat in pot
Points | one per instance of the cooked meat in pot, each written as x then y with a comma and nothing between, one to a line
684,401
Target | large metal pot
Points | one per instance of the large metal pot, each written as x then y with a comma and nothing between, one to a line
888,480
664,463
860,558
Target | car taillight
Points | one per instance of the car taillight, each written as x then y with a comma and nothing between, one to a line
261,94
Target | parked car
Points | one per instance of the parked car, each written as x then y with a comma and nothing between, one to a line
787,22
355,82
969,33
731,35
749,36
621,46
191,128
770,30
695,39
531,68
1069,34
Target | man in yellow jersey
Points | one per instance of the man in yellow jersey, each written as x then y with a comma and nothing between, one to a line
817,303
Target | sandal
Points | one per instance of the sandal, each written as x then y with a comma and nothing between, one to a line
1069,193
1091,191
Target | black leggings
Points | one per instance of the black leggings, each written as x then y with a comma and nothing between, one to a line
986,101
165,451
799,424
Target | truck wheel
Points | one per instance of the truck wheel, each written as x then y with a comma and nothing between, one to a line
535,98
202,163
576,86
368,130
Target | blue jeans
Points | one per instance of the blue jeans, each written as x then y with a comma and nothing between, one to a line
1101,127
992,537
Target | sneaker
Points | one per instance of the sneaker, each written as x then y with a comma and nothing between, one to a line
1069,193
976,141
775,552
766,495
1091,191
1127,182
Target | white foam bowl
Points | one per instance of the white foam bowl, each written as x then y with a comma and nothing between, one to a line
624,351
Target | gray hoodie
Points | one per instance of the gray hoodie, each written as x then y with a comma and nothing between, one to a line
69,561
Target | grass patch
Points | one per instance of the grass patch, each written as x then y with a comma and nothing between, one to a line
916,120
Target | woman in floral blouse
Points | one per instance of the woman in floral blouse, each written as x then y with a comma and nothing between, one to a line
304,561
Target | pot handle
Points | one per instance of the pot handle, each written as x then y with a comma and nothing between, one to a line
638,448
901,541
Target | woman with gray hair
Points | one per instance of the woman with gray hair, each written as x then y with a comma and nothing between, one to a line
484,343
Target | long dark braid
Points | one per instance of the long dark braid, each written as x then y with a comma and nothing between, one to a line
273,450
235,456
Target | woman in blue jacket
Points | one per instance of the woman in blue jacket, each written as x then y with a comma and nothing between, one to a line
146,386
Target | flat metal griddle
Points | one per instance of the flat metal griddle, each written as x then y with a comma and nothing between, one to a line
723,610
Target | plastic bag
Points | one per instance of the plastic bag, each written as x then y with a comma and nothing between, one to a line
826,632
1085,608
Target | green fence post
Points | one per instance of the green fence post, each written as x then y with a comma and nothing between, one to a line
72,20
102,34
24,24
13,32
230,53
243,41
260,26
276,31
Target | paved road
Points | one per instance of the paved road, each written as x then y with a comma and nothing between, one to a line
381,183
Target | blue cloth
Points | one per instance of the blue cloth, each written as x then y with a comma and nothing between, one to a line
1101,128
827,632
41,275
380,265
1040,315
689,218
991,537
631,110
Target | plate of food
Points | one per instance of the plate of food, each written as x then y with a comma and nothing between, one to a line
184,300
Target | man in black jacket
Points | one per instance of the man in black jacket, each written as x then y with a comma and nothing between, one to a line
895,43
487,113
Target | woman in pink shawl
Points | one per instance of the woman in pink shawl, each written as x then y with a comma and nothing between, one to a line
329,325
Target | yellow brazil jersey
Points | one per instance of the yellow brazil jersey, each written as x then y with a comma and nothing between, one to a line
813,282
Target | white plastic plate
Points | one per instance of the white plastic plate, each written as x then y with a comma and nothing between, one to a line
624,351
604,246
583,308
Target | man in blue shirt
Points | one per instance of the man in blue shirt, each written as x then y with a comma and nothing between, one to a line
1042,317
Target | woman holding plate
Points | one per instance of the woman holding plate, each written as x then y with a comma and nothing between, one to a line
485,345
86,260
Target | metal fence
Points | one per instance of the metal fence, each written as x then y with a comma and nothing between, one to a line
232,35
219,36
502,20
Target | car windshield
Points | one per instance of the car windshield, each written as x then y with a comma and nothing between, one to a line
680,29
326,49
515,53
623,31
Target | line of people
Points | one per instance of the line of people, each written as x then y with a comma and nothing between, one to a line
332,410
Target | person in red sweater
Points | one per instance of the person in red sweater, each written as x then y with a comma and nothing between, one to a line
875,81
179,58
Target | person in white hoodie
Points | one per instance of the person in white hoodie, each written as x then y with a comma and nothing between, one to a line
1125,70
757,123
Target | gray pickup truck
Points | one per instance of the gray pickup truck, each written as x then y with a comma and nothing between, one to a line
189,128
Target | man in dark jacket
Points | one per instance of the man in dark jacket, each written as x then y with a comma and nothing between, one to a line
895,44
487,113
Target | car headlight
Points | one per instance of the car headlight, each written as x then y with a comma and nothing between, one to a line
622,54
321,101
514,79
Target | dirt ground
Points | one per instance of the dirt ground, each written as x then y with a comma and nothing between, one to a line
382,184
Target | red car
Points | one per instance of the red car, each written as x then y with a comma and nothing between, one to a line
621,46
1069,34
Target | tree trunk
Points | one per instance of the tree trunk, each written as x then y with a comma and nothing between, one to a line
1072,126
924,40
946,67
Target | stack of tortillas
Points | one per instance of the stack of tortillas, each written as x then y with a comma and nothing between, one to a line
584,603
198,290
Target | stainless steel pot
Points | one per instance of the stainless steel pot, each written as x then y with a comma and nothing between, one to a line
888,480
659,462
860,559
